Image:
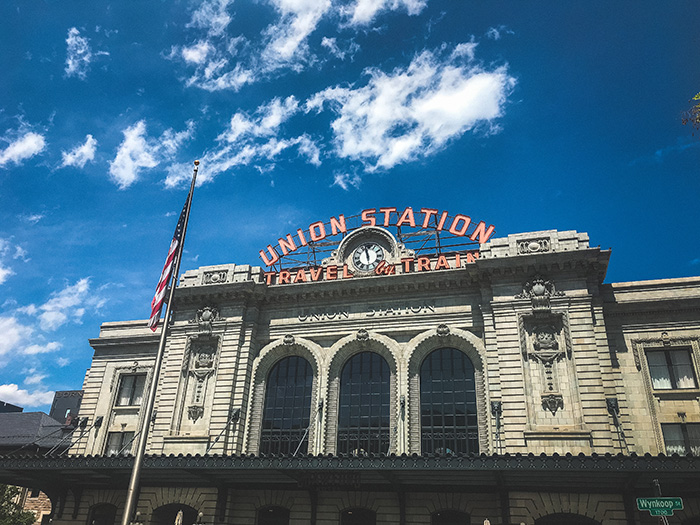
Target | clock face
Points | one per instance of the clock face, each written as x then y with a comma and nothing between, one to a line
367,256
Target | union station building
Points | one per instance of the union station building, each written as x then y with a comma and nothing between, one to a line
386,382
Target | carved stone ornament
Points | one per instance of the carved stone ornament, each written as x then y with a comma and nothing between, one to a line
362,335
216,277
539,292
205,318
194,412
288,340
552,402
443,330
204,358
533,246
545,339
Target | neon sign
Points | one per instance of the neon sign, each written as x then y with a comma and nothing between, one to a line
458,225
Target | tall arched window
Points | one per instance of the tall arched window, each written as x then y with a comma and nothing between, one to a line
565,518
358,516
287,410
273,516
449,517
167,514
102,514
448,403
363,414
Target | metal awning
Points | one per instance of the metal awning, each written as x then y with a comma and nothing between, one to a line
458,473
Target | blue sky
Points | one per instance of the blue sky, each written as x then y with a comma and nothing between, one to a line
528,115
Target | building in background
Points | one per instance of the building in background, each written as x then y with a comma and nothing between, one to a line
66,405
396,383
7,407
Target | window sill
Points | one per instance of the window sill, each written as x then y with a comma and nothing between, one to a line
678,393
127,409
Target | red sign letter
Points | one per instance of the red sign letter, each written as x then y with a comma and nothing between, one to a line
338,225
429,212
482,232
368,217
387,214
287,245
321,231
407,217
273,253
422,264
460,231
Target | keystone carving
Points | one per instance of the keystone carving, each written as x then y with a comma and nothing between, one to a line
288,340
443,330
362,335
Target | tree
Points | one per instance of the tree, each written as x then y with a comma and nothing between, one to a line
11,513
692,116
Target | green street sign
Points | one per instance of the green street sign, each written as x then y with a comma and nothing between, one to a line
660,506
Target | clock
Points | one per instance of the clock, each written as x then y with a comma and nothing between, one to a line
367,256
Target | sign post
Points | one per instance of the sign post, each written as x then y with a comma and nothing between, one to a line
659,506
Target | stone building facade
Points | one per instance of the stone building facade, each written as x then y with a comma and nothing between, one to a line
509,383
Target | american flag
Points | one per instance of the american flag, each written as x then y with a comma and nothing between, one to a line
161,289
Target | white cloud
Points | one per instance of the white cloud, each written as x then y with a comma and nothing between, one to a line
7,250
412,112
349,49
5,273
251,138
20,253
62,361
346,180
52,346
35,378
211,15
68,304
224,61
363,12
197,53
14,335
134,154
286,40
80,154
496,33
138,152
78,54
32,218
11,393
22,148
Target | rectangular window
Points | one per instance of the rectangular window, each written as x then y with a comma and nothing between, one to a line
119,443
682,438
671,369
131,390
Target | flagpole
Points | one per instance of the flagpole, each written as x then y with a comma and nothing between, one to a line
131,496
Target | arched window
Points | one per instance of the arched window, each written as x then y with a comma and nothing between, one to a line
565,518
449,517
273,516
287,409
358,517
448,403
167,514
363,412
102,514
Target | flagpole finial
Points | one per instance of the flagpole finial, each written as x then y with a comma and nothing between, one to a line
196,163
